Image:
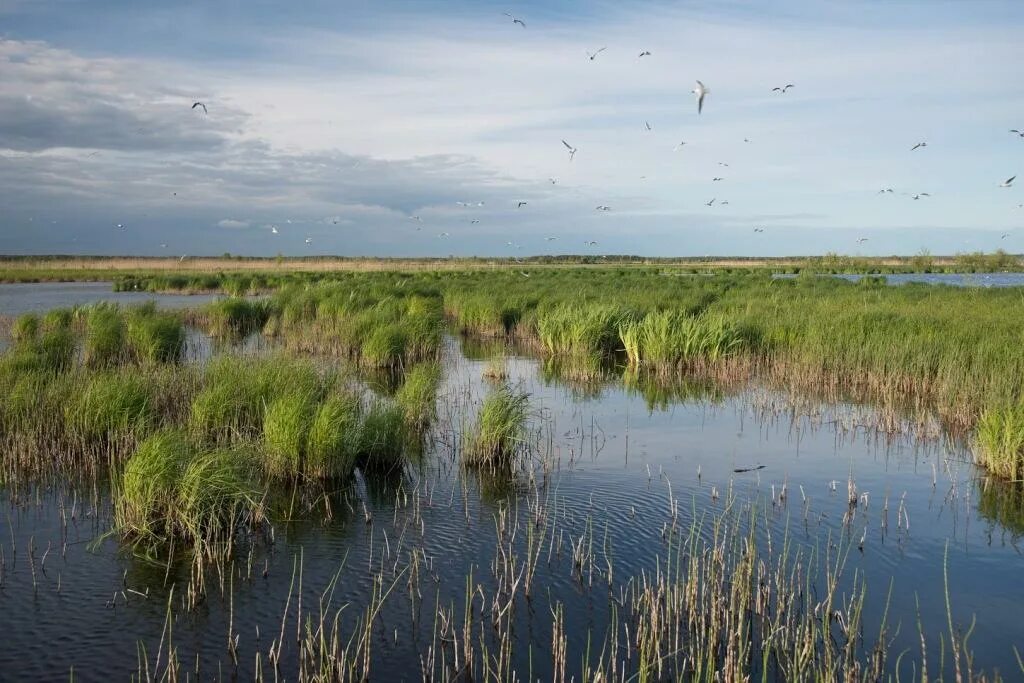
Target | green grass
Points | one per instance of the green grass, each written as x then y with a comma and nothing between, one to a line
156,337
999,445
146,505
500,428
418,394
385,347
236,317
105,337
382,438
218,494
25,328
286,425
334,438
110,406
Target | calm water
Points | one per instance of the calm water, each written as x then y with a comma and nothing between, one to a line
953,279
617,455
19,298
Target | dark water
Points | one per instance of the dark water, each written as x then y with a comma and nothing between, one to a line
953,279
615,458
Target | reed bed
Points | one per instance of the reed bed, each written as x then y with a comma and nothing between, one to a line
500,430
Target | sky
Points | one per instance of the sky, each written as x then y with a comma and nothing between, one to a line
416,128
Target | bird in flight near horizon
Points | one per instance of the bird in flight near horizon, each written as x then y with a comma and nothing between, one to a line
273,229
594,55
200,104
917,196
758,229
884,190
716,179
514,20
550,239
679,146
474,221
710,203
648,125
1008,182
602,207
645,53
700,91
862,240
553,181
920,144
520,205
1020,133
309,240
572,150
1004,235
783,88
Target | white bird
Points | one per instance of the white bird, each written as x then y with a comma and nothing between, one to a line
920,144
783,88
1008,182
602,207
553,181
1018,132
679,146
700,91
861,241
710,203
415,218
591,243
309,240
524,273
724,202
746,139
716,179
917,196
645,53
884,190
200,104
474,221
514,20
758,229
1004,235
163,245
722,163
594,55
572,150
443,234
273,229
648,125
120,226
520,205
550,239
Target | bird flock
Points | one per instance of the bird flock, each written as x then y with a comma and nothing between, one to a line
701,93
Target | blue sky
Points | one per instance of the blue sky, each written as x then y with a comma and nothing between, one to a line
337,122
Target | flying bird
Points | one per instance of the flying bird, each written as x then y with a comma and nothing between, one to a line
700,91
572,150
553,181
443,234
1008,182
710,203
862,240
645,53
550,239
648,125
722,163
273,229
884,190
200,104
120,226
594,55
415,218
746,139
309,240
920,144
514,20
1004,235
724,202
758,229
602,207
520,205
1018,132
783,88
917,196
679,146
716,179
474,221
591,243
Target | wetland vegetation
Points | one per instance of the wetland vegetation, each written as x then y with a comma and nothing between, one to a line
445,507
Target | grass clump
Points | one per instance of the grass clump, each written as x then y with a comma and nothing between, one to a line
146,506
385,347
217,494
418,394
382,438
104,337
25,328
500,428
286,425
334,438
999,445
236,317
156,337
110,406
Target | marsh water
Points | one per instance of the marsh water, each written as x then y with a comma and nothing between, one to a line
73,600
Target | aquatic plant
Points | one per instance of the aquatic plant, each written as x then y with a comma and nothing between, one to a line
286,425
500,428
25,328
236,317
156,338
104,336
334,438
385,347
382,438
999,443
110,406
418,393
146,504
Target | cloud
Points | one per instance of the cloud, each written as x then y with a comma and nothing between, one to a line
232,224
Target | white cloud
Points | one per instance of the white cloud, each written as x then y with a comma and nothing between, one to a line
232,224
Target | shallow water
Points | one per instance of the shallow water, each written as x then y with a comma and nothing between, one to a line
19,298
952,279
617,459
